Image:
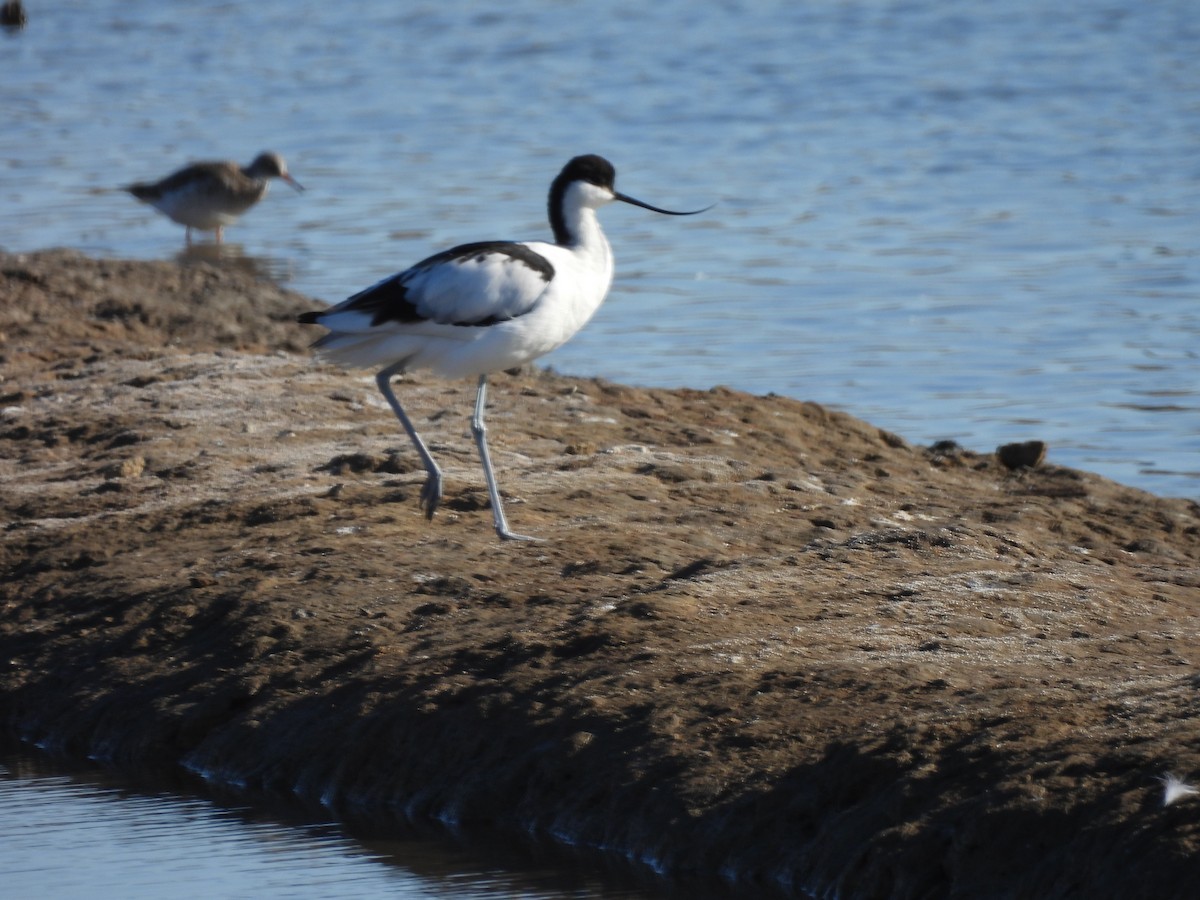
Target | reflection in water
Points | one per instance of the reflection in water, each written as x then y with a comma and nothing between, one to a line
81,832
235,256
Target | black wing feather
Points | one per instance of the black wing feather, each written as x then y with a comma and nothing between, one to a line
387,300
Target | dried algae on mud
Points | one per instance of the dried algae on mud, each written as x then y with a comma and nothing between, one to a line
764,640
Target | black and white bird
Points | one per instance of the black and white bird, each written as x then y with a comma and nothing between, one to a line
210,195
483,307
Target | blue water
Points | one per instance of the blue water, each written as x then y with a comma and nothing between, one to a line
86,834
967,221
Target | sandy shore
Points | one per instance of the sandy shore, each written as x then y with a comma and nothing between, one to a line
763,640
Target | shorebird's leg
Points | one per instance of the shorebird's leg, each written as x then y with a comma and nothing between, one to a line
218,234
479,429
187,235
431,493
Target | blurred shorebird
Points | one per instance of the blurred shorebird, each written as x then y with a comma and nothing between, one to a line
210,195
483,307
12,15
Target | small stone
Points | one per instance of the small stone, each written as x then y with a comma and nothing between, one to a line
128,468
1024,455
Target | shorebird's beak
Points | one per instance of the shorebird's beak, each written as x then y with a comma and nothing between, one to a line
625,198
293,182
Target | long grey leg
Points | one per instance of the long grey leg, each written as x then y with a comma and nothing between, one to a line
479,430
431,493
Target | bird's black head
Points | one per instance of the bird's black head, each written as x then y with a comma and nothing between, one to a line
597,171
590,168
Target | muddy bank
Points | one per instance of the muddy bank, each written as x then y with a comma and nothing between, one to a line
763,639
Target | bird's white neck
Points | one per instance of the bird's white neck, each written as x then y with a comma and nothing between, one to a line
573,214
589,242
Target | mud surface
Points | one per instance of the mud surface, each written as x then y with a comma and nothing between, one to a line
761,639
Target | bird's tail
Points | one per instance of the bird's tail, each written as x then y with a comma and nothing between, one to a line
358,351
